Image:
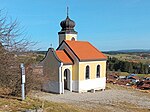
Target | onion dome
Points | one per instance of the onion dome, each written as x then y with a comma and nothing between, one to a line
67,26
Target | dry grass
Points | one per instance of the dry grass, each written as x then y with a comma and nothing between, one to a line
119,107
14,104
62,107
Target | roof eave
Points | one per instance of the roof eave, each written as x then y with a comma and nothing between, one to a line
102,59
67,63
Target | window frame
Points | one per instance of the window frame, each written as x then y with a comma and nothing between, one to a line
87,72
98,71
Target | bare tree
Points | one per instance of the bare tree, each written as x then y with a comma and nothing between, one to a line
12,41
11,36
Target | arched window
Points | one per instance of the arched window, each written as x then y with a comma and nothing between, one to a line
98,71
87,72
73,39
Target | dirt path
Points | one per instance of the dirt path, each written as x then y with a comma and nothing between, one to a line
114,99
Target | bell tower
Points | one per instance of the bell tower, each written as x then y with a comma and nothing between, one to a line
67,32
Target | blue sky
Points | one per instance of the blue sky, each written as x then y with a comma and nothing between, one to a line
107,24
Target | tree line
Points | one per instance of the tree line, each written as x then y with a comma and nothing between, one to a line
114,64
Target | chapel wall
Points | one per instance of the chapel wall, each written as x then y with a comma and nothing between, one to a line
93,69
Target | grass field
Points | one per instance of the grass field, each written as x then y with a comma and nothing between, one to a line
129,57
126,74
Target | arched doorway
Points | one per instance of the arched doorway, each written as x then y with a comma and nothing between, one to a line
67,80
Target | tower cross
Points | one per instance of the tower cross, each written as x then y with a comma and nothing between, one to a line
67,11
67,3
51,45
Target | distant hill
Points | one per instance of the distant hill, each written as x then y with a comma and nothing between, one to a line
128,51
40,52
135,50
113,52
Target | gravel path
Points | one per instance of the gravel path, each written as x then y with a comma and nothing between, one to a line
109,98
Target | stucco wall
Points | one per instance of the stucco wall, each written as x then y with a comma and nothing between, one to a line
69,36
89,84
51,86
66,37
93,69
51,66
75,71
93,82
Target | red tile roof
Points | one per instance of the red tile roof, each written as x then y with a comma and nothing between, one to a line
85,51
63,57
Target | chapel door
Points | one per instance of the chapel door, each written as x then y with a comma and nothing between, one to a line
65,79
